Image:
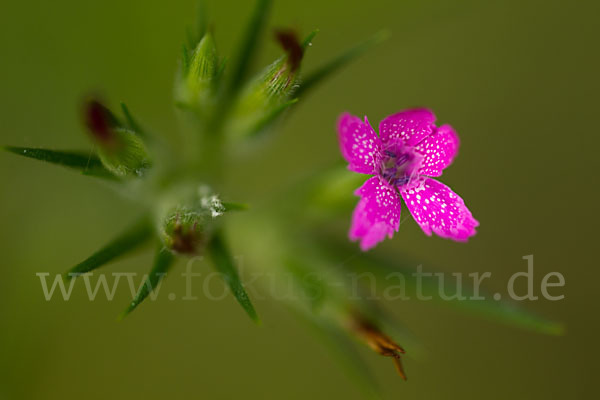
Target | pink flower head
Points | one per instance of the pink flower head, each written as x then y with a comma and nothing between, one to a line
409,150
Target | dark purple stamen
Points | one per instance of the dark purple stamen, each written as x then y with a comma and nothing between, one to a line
401,160
395,168
402,181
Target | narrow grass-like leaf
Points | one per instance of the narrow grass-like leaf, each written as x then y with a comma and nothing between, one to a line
270,118
190,37
308,39
246,51
220,71
332,192
341,60
510,313
323,282
195,34
131,122
86,163
505,312
134,237
185,60
100,173
314,289
230,206
201,19
239,66
344,352
223,262
162,263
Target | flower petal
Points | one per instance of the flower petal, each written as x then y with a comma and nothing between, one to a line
359,143
411,126
377,214
438,151
437,209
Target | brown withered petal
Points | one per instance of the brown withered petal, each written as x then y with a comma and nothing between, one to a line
379,342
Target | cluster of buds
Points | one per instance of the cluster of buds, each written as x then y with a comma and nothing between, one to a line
185,213
257,104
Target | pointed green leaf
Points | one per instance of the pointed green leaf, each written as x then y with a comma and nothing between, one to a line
131,122
195,34
230,206
509,313
308,40
220,71
162,263
240,65
185,60
345,353
332,192
201,20
190,37
86,163
270,118
248,45
341,60
313,287
131,239
223,262
100,173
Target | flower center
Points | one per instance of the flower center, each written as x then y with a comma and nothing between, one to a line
397,167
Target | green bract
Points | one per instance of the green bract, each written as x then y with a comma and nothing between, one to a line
195,87
267,95
127,156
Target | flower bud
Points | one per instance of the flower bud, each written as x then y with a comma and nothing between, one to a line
187,218
195,85
128,158
121,150
268,94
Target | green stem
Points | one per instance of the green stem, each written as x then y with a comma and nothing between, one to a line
211,163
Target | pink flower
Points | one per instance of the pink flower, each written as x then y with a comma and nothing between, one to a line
409,150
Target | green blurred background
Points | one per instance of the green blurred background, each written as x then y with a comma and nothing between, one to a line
517,79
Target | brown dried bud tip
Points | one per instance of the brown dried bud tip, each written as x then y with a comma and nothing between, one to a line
186,240
290,43
99,121
379,342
